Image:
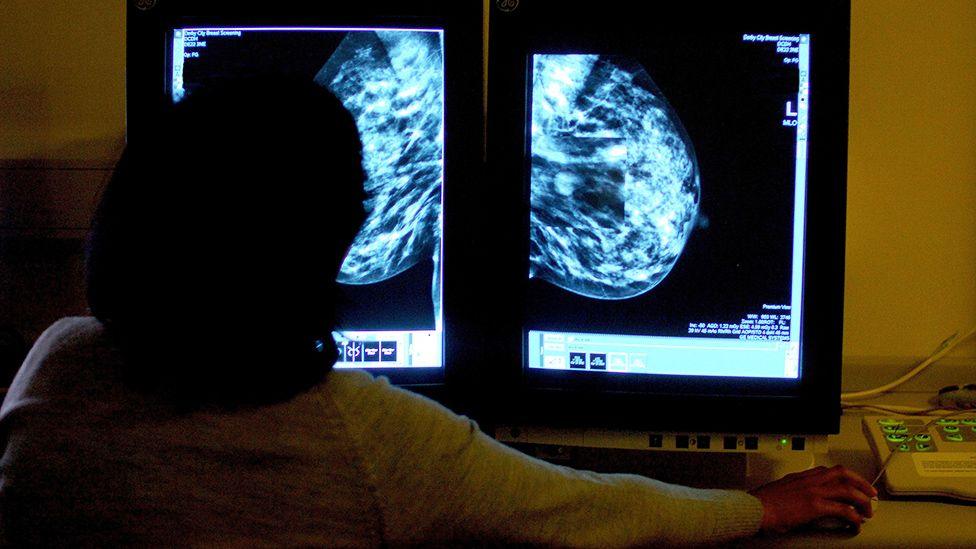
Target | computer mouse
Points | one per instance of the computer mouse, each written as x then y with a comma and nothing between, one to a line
833,524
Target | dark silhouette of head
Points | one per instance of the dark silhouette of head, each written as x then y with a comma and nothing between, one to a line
213,254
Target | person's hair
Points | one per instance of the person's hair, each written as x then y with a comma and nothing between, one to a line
213,253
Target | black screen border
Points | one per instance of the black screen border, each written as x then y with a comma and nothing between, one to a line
807,405
149,67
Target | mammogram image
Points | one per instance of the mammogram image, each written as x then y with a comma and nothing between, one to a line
614,179
392,82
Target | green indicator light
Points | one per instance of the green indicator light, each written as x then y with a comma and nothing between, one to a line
784,441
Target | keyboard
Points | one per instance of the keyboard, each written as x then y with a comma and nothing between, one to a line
925,456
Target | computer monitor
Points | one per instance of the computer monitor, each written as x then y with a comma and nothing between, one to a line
387,65
681,170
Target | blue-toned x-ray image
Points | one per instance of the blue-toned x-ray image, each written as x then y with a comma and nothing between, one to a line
614,179
392,83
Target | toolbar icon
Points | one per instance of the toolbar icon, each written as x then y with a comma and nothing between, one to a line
617,361
354,352
371,351
388,351
597,361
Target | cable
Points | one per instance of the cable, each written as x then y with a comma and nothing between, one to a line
946,346
904,410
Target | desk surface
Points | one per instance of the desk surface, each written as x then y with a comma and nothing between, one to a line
897,522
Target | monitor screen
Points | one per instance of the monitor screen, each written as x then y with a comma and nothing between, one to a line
667,217
679,182
392,81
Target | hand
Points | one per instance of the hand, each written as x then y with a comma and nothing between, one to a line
800,498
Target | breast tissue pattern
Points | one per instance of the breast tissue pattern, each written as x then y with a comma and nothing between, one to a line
615,184
392,83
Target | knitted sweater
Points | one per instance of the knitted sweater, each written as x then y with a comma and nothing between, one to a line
353,461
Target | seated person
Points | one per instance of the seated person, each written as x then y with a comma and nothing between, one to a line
199,405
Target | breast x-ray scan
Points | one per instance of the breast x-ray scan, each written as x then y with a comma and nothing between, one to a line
392,81
614,177
666,183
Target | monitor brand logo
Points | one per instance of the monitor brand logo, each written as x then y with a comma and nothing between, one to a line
145,5
507,6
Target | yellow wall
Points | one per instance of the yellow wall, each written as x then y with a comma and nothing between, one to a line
911,255
62,79
911,246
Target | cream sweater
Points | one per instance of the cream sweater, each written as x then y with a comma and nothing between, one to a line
354,461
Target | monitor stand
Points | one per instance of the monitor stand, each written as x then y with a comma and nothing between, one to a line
703,459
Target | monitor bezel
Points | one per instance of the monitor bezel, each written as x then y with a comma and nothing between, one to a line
149,26
809,404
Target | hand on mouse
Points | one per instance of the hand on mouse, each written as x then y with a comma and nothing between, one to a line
800,498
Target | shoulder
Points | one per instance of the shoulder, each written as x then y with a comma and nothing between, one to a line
355,387
375,406
67,341
358,392
68,333
63,357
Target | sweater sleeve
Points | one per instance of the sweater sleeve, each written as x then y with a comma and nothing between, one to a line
438,478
